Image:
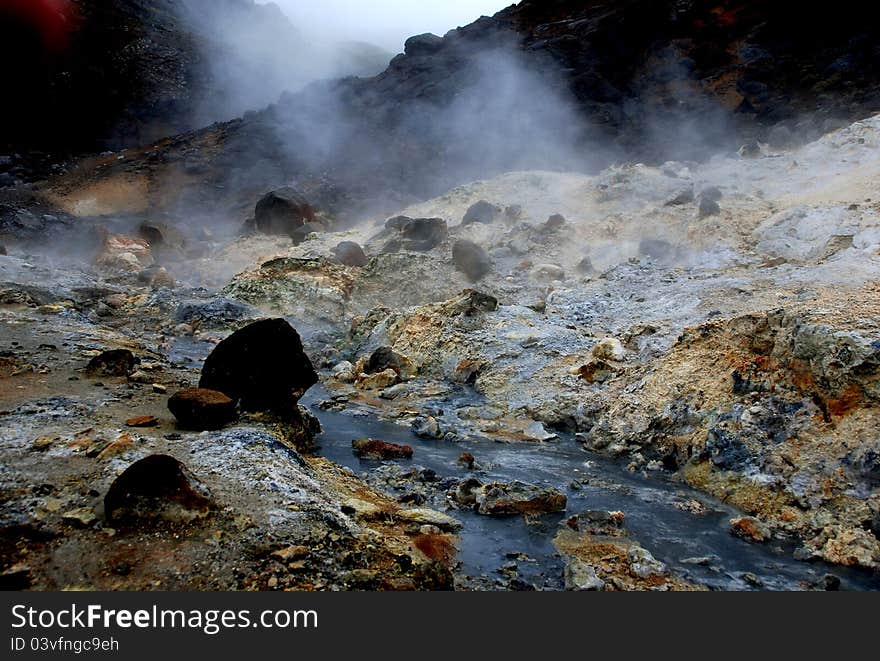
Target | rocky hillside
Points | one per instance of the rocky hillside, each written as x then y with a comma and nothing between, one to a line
542,84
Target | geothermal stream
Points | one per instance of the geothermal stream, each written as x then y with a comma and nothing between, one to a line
699,547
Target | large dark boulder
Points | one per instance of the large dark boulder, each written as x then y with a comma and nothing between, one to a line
156,488
282,212
262,366
471,259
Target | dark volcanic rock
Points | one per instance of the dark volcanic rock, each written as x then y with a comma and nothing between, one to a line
385,358
416,234
115,362
263,366
482,212
199,409
350,253
156,488
369,448
471,259
300,234
217,312
282,212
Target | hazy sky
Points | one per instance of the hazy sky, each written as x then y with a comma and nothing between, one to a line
386,23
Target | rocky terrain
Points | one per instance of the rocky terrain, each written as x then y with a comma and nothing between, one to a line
229,364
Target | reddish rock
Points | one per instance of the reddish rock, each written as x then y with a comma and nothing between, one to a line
369,448
749,528
115,362
142,421
200,409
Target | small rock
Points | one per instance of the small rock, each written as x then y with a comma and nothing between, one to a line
378,381
83,517
609,349
467,460
142,421
548,272
369,448
749,528
516,497
200,409
430,517
282,211
120,446
581,577
427,427
115,362
351,254
344,372
158,487
555,222
159,389
597,371
537,432
643,564
471,259
385,358
708,208
481,212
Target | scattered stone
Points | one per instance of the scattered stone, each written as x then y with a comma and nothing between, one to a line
643,564
351,254
217,312
428,517
555,222
262,366
282,211
481,212
656,248
536,432
427,427
378,381
82,517
142,421
585,266
708,208
597,371
500,499
513,212
115,362
369,448
472,303
291,553
159,389
548,272
581,577
158,487
609,349
200,409
386,358
344,372
120,446
471,259
304,232
749,528
467,460
415,234
684,197
124,253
